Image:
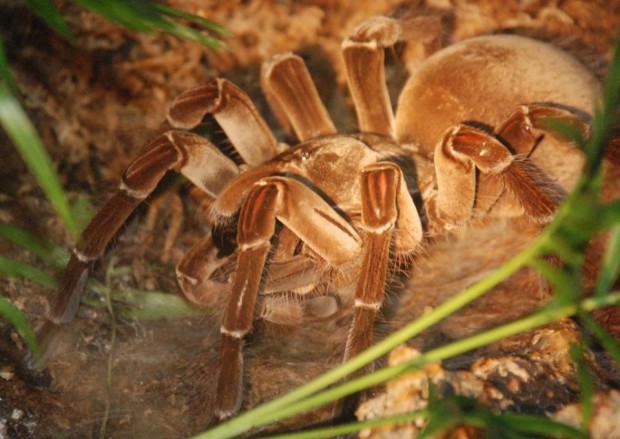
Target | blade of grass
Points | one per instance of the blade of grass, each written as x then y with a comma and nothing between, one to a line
47,251
178,30
147,16
138,304
21,271
17,125
22,133
20,323
446,413
605,116
611,263
82,210
139,15
5,74
458,410
354,427
607,340
586,385
48,13
153,305
539,425
523,423
135,15
178,13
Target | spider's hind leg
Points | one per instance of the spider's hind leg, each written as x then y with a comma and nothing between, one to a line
364,57
505,167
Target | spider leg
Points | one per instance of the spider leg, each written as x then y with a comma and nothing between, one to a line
234,112
294,99
364,57
307,215
170,203
203,271
290,282
181,151
527,133
525,126
364,61
459,153
386,207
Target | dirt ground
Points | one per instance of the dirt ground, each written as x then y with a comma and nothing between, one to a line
97,101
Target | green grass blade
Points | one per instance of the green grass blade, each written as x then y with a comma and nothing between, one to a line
346,429
153,305
22,133
19,321
82,210
538,425
453,411
207,24
605,117
527,425
586,385
610,216
48,252
607,340
566,288
5,74
48,13
611,263
139,15
188,33
132,14
25,138
148,16
21,271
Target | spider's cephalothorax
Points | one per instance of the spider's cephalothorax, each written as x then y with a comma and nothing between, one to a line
325,219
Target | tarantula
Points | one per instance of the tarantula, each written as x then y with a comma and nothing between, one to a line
329,218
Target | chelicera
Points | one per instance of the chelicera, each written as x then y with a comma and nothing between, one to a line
328,220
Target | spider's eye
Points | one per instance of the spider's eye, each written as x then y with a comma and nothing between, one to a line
224,238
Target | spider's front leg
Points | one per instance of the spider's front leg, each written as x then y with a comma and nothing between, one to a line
308,216
465,148
458,154
507,172
391,224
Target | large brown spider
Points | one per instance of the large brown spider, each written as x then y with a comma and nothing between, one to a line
331,218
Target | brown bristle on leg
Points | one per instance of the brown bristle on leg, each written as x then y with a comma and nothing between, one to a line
537,202
231,377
